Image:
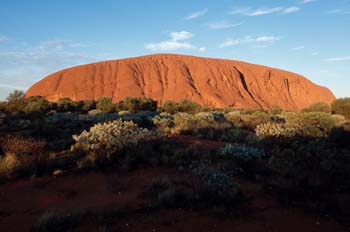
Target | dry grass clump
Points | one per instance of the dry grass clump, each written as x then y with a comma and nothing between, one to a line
20,153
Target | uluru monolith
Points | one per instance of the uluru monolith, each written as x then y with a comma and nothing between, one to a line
210,82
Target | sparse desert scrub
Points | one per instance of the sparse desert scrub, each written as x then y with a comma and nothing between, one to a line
234,117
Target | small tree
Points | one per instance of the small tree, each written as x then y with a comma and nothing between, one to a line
15,101
105,104
65,104
135,104
342,106
319,107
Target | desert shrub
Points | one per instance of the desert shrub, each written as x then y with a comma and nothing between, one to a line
135,104
186,105
311,164
104,140
15,102
105,104
184,122
216,185
183,105
253,119
342,106
198,123
163,123
338,119
276,130
95,112
65,104
233,117
234,134
319,107
275,109
312,124
37,104
241,153
88,105
21,154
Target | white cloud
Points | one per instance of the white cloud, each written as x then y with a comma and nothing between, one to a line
182,35
176,42
169,46
222,25
196,14
335,59
260,41
307,1
298,48
290,10
202,49
248,11
3,38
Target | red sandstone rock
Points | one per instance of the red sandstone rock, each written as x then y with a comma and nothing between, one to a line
209,82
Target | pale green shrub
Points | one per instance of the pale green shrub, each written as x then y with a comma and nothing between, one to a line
276,130
233,117
110,138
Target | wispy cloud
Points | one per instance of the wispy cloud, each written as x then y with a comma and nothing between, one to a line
314,53
335,59
222,25
261,41
307,1
196,14
298,48
177,41
3,38
248,11
338,12
290,10
19,68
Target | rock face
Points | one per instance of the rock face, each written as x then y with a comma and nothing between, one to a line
210,82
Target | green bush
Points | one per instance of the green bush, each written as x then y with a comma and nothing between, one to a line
312,124
342,106
15,102
241,153
37,104
65,104
136,104
251,120
183,105
319,107
88,105
105,104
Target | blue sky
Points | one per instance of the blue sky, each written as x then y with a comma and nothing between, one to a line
309,37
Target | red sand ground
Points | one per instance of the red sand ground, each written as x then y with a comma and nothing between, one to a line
22,202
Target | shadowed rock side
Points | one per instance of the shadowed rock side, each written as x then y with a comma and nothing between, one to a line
210,82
